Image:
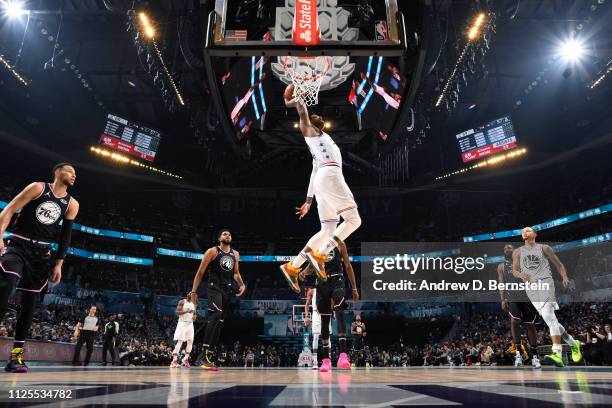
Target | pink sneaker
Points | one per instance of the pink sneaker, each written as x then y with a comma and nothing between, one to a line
185,361
344,362
174,364
325,365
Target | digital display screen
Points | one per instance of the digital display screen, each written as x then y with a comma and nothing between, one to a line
130,138
243,92
492,137
377,93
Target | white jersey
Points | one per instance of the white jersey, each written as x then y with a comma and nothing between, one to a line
188,308
324,151
534,263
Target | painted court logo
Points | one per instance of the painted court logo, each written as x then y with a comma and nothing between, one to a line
48,212
227,263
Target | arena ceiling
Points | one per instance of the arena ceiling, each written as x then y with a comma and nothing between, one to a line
83,64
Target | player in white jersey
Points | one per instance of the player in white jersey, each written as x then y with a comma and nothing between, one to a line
531,264
334,198
186,312
311,299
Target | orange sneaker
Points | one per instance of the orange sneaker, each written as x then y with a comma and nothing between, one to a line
291,275
318,263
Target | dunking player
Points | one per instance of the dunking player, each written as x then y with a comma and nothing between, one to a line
330,296
26,261
186,312
334,198
519,308
531,264
221,263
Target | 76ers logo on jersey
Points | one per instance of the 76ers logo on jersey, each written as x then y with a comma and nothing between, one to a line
48,212
531,262
227,263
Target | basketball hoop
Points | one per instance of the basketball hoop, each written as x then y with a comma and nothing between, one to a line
306,74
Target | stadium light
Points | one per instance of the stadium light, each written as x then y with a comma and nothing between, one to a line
146,25
572,50
13,8
476,27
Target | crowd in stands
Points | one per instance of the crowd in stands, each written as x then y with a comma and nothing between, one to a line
477,338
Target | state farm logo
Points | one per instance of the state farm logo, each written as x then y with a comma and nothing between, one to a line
306,22
304,12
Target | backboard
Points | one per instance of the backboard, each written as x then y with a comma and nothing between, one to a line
264,28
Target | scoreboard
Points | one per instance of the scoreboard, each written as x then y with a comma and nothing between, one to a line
130,138
492,137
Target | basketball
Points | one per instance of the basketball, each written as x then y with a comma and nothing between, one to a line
289,92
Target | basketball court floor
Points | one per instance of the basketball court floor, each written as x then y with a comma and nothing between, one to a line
376,387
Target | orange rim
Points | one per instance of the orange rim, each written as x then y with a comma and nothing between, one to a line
310,78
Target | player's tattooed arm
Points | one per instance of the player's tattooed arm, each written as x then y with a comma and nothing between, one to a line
500,279
237,276
307,307
25,196
179,308
550,254
349,270
209,255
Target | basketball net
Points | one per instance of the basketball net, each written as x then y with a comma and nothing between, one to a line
306,73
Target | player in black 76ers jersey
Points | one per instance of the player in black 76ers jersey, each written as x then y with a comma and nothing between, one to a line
221,265
26,263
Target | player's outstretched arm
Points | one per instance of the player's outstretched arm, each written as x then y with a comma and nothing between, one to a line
25,196
550,254
237,276
179,307
308,130
349,270
209,255
500,279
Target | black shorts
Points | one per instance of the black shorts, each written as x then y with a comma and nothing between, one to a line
29,262
218,299
522,311
328,292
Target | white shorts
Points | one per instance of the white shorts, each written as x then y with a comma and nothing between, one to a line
184,331
332,193
316,323
539,298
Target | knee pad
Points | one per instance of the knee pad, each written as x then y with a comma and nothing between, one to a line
352,217
549,317
351,222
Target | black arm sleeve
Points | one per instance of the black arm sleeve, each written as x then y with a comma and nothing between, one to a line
65,237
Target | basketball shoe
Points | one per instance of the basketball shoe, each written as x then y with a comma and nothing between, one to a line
16,363
291,275
576,353
325,365
343,362
556,358
317,261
